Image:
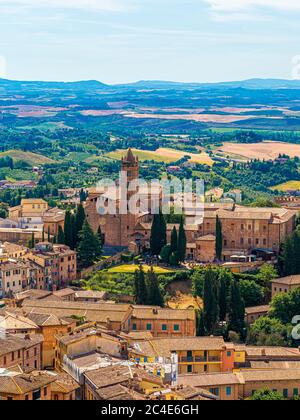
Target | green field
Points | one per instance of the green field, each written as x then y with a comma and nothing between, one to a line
30,158
287,186
131,269
163,155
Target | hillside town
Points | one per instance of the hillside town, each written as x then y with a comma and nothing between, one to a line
67,332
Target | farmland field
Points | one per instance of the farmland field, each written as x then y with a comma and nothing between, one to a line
268,150
287,186
164,155
30,158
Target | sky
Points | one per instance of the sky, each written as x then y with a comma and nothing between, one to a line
117,41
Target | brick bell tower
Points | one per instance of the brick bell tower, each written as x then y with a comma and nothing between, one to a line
130,165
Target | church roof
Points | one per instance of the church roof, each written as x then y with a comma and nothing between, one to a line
130,157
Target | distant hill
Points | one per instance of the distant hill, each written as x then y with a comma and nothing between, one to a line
89,85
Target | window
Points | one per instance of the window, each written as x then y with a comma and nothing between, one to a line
190,369
286,393
149,327
164,327
134,327
229,354
215,391
176,327
228,391
296,392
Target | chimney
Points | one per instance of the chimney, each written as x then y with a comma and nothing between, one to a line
263,352
27,337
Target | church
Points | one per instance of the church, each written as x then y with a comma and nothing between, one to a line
245,230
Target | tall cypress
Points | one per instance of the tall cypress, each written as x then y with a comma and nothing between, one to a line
223,297
219,239
49,234
141,295
79,220
174,241
89,248
237,311
200,324
181,242
210,300
68,229
163,230
60,236
155,238
154,294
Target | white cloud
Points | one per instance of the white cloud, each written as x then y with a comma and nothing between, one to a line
104,5
240,5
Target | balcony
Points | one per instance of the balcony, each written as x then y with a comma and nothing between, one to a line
214,359
197,359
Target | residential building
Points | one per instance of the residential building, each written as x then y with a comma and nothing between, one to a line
29,214
53,219
162,322
195,354
16,386
21,350
256,312
285,284
225,386
64,388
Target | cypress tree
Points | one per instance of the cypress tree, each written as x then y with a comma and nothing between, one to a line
181,242
237,311
60,236
43,234
200,324
89,248
223,297
210,300
219,239
100,235
155,238
79,220
174,240
154,294
163,230
141,295
68,229
49,234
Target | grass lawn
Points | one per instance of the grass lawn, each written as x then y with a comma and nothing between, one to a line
131,269
287,186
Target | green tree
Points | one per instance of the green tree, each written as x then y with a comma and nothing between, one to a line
267,331
174,241
155,238
237,311
154,294
79,221
223,296
165,254
210,301
200,324
68,229
251,292
174,259
267,395
219,239
60,236
285,306
43,234
141,295
49,234
89,247
181,241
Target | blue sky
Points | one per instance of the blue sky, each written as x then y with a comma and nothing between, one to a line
118,41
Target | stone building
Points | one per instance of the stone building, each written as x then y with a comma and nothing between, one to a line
245,229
